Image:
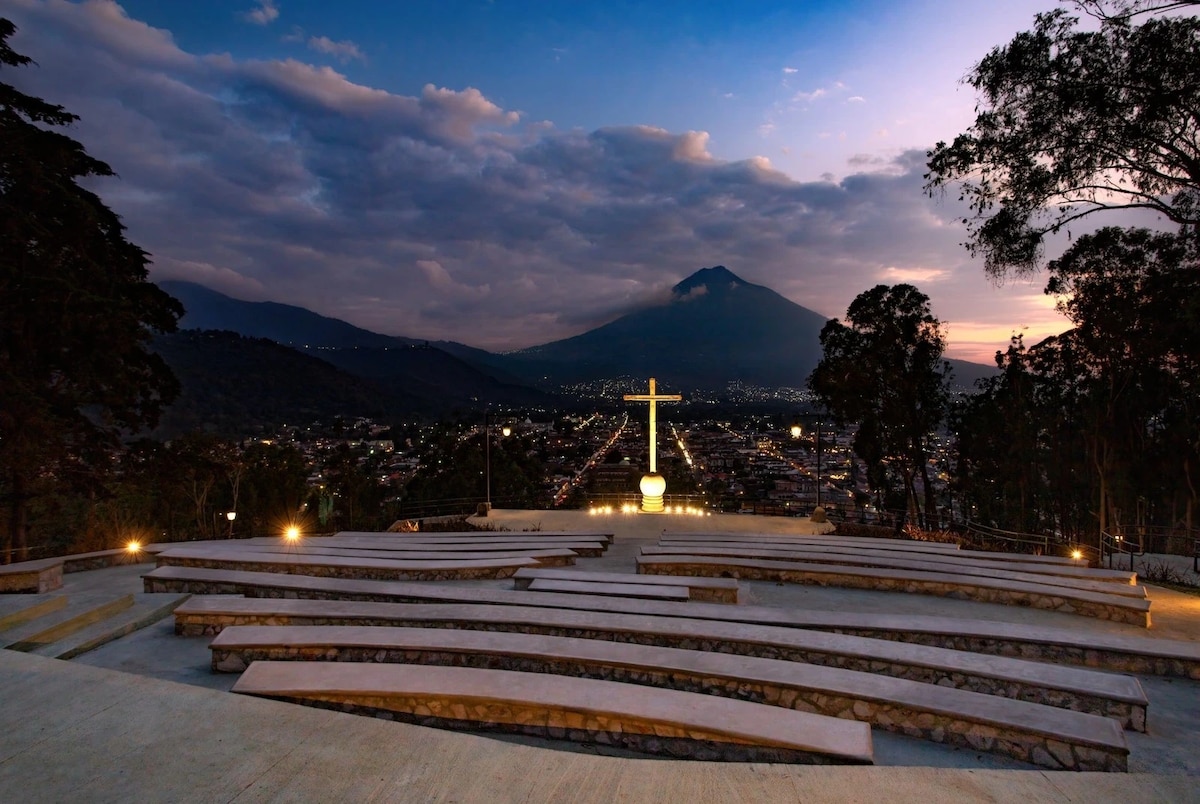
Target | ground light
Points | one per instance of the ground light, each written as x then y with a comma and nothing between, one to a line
134,546
292,534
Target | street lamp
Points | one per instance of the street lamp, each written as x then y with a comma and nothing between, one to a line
232,515
506,431
818,514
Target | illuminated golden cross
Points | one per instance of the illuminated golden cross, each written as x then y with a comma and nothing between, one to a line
653,398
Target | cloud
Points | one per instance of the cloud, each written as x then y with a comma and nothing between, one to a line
444,214
342,51
790,70
911,275
441,281
809,97
856,99
264,14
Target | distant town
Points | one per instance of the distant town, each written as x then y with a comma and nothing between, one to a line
761,464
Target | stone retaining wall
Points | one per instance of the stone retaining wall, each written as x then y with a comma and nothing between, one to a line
34,581
583,727
1019,744
1096,658
952,589
349,572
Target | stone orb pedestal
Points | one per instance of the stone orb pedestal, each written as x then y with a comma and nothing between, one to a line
653,485
818,515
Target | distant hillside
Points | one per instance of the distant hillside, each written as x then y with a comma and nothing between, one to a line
232,384
439,379
300,328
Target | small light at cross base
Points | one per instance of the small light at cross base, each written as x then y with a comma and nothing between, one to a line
133,547
292,534
1076,554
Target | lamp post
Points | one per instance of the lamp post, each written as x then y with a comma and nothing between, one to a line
232,515
506,431
818,514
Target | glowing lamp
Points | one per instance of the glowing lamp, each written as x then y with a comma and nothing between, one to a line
506,431
292,534
652,486
134,547
1076,554
796,431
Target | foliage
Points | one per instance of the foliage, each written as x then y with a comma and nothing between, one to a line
884,370
76,309
1074,121
455,468
1101,424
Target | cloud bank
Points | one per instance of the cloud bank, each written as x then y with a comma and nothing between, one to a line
445,215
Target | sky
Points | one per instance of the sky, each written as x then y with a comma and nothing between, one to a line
504,174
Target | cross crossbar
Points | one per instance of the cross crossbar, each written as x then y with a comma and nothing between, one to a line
653,398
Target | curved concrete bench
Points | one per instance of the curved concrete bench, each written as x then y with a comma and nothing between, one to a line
343,567
477,535
764,539
45,574
988,590
552,557
584,548
877,560
712,590
956,559
32,577
901,545
640,718
1029,732
1118,697
639,591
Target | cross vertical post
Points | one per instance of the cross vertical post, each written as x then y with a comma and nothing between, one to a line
653,485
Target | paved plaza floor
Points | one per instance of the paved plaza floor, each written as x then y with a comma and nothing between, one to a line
144,719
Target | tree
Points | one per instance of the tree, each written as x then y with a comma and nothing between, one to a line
76,309
884,370
1134,298
1072,122
1088,426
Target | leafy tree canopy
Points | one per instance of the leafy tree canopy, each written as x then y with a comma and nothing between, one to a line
76,309
883,369
1074,121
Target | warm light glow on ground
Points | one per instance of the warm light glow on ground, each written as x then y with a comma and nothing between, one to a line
632,508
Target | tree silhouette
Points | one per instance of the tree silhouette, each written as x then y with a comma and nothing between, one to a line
883,369
1073,122
76,309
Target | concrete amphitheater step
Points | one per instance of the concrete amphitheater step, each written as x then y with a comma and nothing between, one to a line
146,610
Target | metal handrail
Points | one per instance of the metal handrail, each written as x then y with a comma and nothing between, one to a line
1023,542
1114,543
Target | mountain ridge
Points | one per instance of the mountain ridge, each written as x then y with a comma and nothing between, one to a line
715,328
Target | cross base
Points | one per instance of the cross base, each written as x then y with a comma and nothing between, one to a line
653,485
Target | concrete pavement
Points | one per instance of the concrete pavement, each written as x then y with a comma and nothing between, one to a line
134,720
